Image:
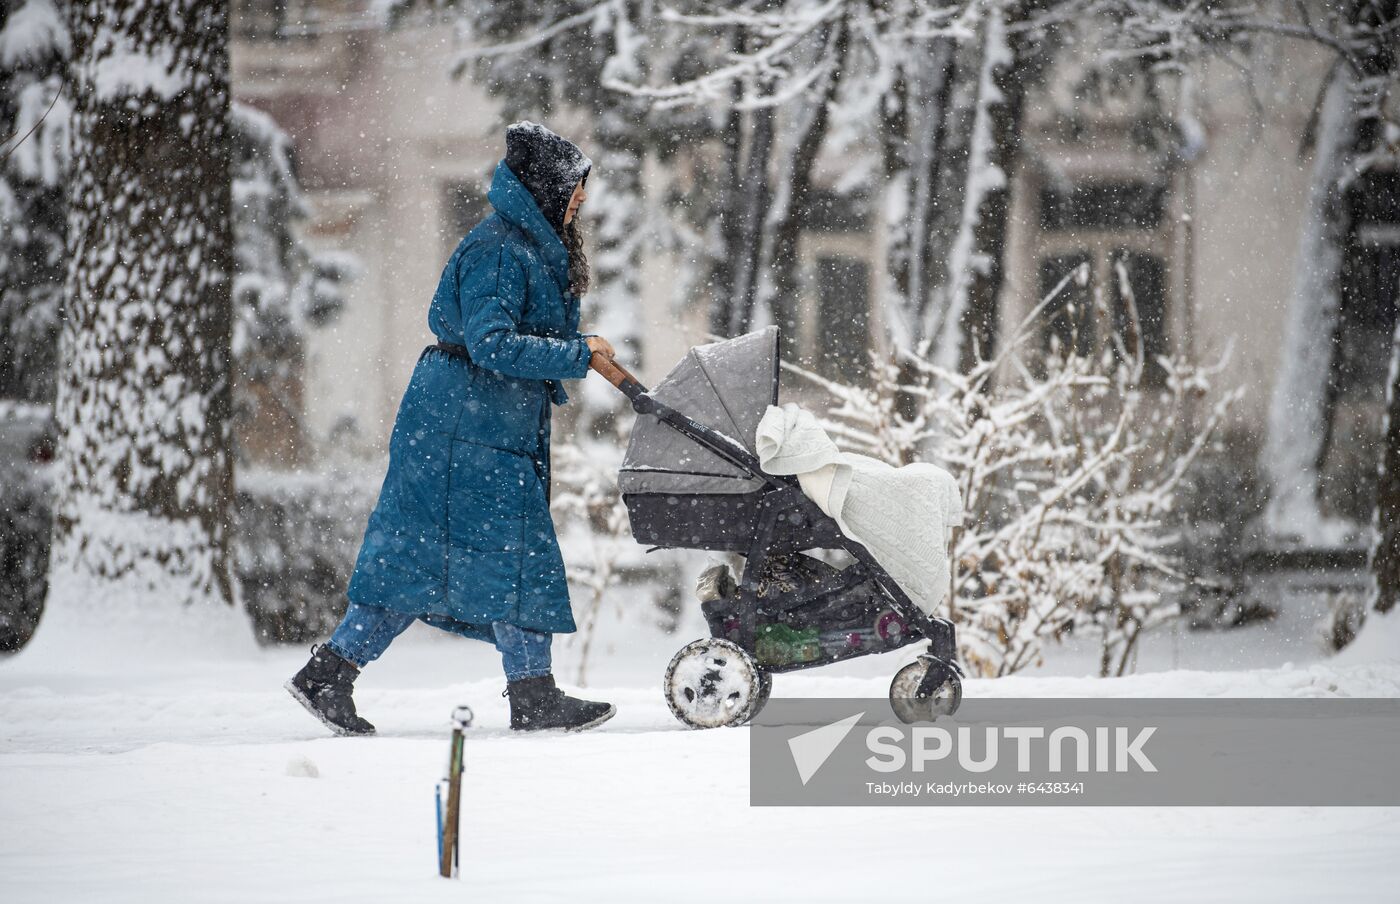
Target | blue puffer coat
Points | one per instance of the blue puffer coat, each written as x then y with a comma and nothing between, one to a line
462,534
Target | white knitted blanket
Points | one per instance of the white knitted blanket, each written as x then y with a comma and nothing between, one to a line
901,515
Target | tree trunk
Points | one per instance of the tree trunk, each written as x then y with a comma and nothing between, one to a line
923,164
939,158
1298,408
729,222
940,178
145,477
978,326
1385,551
894,208
794,205
1349,125
963,320
752,216
618,231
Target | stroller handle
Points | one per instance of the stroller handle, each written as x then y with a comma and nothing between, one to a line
617,375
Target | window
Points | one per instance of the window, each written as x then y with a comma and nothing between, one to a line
843,318
1147,279
1101,222
1102,205
829,211
262,20
1069,318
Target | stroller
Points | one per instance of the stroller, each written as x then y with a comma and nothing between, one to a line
691,479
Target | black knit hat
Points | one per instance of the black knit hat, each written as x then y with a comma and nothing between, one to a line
547,165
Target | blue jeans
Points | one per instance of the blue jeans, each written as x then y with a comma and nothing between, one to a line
366,632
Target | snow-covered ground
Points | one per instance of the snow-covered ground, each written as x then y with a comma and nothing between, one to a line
177,769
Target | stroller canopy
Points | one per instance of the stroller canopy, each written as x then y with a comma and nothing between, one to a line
724,385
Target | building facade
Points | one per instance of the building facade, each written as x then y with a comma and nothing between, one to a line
395,154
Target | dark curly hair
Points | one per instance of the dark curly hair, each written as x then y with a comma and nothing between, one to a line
579,273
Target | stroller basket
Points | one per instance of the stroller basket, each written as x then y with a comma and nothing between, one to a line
720,522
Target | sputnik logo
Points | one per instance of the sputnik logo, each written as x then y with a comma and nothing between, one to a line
812,749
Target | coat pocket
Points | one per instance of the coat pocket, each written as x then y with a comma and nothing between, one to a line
502,412
487,493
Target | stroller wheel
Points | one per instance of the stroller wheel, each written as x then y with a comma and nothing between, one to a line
924,690
713,682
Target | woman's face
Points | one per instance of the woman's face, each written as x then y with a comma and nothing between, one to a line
578,198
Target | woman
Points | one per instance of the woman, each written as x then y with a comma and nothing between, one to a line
462,537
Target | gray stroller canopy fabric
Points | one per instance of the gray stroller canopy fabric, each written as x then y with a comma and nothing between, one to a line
724,385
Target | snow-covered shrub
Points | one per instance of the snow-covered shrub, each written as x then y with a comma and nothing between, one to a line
1217,509
26,519
25,523
585,500
34,46
296,536
295,539
1346,614
1069,466
1218,503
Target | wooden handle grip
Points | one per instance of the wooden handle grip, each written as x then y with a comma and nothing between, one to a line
611,371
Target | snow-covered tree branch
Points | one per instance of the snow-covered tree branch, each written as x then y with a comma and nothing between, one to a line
1069,466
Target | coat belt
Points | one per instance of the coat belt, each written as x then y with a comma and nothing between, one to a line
460,351
456,351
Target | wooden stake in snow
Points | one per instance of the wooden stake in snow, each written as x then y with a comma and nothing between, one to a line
449,820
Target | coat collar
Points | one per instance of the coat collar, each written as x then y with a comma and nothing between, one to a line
514,202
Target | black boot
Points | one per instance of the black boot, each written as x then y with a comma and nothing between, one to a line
535,704
323,686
